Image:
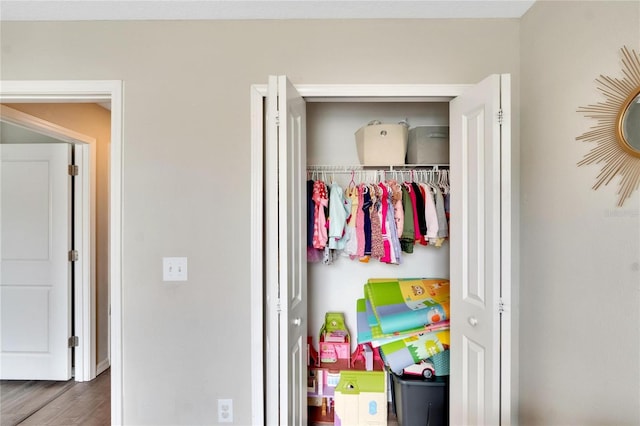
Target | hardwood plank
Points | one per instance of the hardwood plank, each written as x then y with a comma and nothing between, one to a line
86,403
21,398
31,402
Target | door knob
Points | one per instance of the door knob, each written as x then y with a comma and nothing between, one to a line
473,321
297,321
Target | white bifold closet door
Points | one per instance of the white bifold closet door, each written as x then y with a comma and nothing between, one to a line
480,254
287,272
480,140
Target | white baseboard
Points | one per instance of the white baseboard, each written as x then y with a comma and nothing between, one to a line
103,365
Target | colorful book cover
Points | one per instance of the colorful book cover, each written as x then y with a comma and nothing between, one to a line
404,304
402,353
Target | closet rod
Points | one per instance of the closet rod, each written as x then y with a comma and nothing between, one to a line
377,171
430,175
360,167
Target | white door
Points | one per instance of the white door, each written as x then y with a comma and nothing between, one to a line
477,203
286,248
35,275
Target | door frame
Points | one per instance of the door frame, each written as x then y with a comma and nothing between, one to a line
312,93
67,91
84,207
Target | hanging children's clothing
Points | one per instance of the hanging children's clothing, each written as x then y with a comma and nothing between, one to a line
377,220
339,210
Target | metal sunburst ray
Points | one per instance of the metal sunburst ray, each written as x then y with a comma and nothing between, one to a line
616,161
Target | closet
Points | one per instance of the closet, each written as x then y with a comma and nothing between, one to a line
331,157
308,129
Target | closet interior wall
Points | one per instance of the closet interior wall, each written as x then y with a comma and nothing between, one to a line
331,128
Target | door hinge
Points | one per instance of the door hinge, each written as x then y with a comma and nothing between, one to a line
73,255
500,116
73,170
74,341
277,118
278,306
500,306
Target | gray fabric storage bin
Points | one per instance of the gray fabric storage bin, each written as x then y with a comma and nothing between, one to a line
428,145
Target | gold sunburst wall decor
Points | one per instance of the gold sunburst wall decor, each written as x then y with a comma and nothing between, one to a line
617,131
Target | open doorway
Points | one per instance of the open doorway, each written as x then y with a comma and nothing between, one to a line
109,92
34,345
85,130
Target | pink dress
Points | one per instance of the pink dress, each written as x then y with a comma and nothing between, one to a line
321,200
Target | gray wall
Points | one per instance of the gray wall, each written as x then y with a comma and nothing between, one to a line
580,285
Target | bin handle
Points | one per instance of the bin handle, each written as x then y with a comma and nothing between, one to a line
404,122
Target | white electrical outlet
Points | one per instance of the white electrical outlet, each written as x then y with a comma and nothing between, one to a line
225,410
174,269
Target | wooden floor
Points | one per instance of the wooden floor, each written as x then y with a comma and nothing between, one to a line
30,402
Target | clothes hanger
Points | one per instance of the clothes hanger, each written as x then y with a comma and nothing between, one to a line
352,183
445,181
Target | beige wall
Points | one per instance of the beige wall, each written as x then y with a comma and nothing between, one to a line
187,166
94,121
580,282
187,174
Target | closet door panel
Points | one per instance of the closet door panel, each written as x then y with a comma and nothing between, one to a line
475,255
271,328
285,255
292,216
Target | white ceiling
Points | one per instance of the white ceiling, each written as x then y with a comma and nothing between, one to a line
82,10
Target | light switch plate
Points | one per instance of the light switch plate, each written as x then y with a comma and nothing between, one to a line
174,269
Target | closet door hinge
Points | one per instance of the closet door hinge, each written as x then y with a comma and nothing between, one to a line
73,255
73,170
500,306
74,341
277,118
500,116
278,306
